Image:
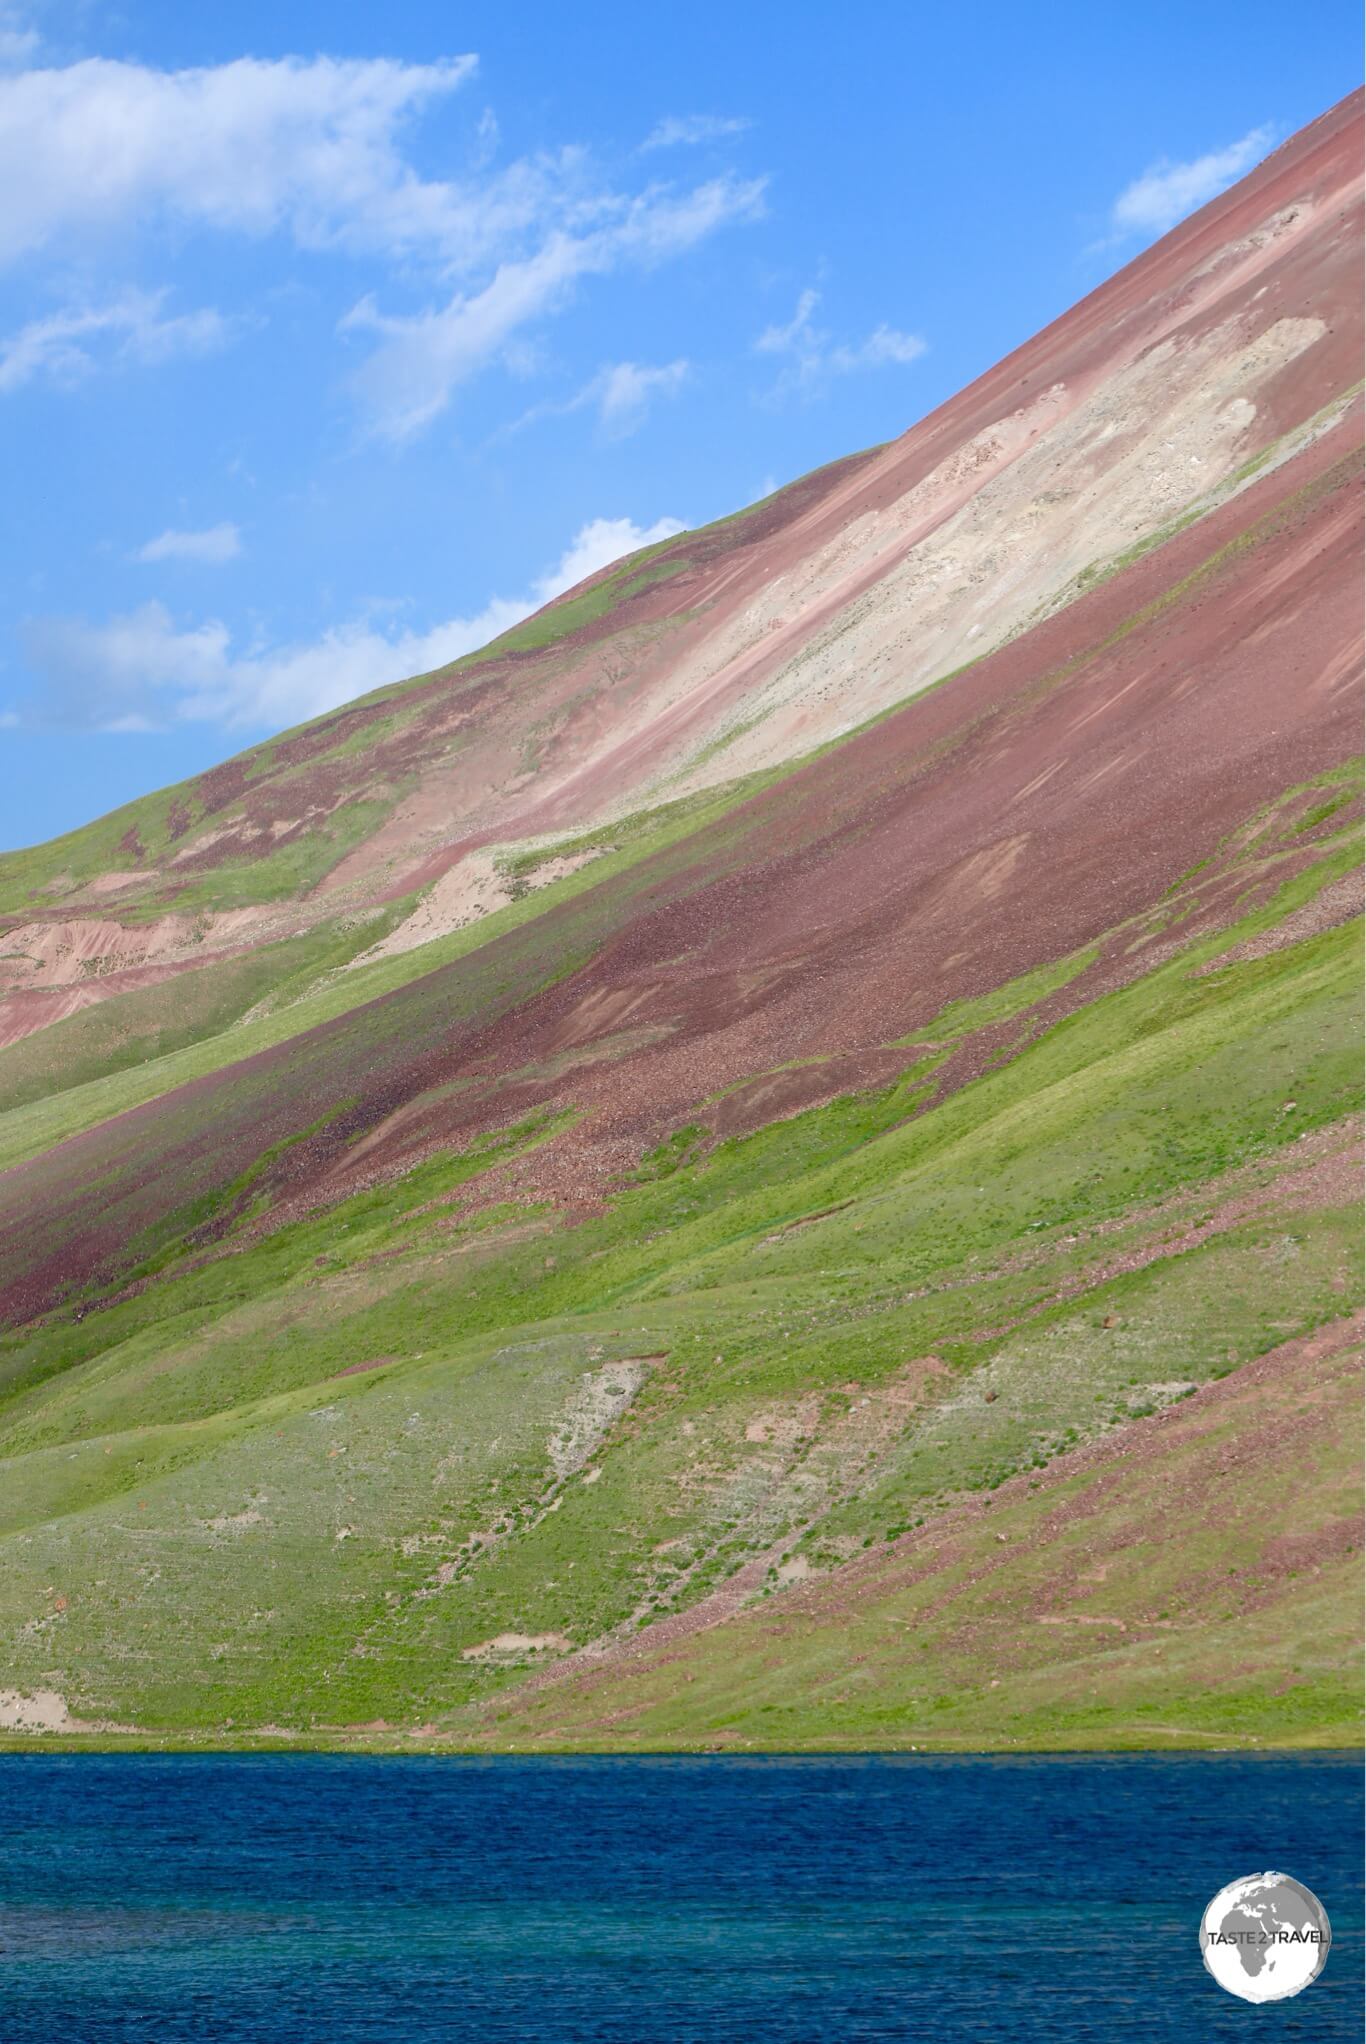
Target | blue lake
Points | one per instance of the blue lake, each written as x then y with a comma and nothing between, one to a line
283,1900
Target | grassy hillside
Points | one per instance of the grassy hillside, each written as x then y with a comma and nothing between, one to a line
389,1459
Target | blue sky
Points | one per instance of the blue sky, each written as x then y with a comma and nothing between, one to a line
332,338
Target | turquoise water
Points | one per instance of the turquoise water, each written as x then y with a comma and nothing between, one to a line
296,1899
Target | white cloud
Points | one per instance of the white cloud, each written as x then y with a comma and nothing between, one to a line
251,146
777,340
217,543
409,378
625,391
658,224
140,672
884,344
621,393
421,359
67,346
595,546
17,45
812,359
688,130
1168,191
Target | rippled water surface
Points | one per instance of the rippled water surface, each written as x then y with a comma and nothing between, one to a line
283,1900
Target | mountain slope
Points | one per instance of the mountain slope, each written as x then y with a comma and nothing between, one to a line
742,646
576,1145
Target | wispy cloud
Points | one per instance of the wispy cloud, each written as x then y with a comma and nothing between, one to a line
1167,191
798,332
19,39
69,345
214,545
422,358
688,131
811,356
141,671
22,36
419,359
318,150
624,392
884,344
621,393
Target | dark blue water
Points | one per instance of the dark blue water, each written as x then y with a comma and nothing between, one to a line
291,1900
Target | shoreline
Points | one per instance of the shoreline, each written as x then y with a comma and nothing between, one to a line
417,1745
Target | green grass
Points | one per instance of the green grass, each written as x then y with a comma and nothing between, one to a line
287,873
1016,997
134,837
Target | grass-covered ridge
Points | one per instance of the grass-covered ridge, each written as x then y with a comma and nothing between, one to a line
361,751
